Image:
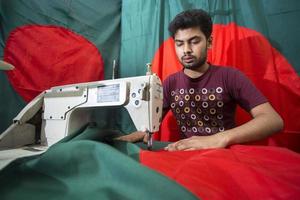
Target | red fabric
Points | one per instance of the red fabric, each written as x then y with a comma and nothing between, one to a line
47,56
250,52
240,172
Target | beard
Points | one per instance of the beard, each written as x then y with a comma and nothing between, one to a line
195,64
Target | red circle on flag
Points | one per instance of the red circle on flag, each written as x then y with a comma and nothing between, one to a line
47,56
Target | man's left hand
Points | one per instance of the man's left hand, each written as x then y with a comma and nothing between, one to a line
199,142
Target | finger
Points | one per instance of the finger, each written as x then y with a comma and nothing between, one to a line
171,147
146,138
167,147
119,138
133,137
182,144
125,138
189,149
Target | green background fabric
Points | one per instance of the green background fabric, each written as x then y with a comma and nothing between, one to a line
82,166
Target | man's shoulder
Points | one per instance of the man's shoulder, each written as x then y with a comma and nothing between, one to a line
225,70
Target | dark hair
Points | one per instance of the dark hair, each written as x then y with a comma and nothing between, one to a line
192,18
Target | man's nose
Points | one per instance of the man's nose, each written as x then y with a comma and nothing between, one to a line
187,49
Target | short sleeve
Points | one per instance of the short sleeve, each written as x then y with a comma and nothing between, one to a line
245,93
166,93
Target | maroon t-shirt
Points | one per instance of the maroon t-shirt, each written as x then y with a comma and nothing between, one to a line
207,105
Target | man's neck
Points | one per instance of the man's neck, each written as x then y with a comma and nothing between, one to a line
195,73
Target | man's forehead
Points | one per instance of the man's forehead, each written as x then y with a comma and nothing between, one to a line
188,33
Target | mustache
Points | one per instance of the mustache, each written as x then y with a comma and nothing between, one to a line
187,57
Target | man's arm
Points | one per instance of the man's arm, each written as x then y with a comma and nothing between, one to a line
265,122
139,135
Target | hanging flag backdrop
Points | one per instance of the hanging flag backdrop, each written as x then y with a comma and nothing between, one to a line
60,42
244,36
54,43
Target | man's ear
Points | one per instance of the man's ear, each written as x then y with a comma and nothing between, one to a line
209,42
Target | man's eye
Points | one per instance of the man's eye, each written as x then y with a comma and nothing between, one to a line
195,41
179,44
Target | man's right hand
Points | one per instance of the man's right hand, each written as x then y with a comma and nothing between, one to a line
136,136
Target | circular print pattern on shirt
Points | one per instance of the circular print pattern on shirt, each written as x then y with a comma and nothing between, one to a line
198,111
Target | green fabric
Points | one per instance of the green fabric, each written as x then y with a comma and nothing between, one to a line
82,167
10,103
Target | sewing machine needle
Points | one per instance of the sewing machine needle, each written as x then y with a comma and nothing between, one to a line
150,141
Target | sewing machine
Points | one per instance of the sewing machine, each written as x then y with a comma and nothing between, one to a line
65,109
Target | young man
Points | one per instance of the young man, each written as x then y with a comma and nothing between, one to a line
203,97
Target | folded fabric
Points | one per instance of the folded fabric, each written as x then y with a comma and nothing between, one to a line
239,172
81,167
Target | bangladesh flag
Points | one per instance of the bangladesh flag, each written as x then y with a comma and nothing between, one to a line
59,42
53,43
257,37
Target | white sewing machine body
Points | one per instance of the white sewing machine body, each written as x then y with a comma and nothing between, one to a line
67,108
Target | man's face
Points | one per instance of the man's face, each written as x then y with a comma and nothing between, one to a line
191,47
